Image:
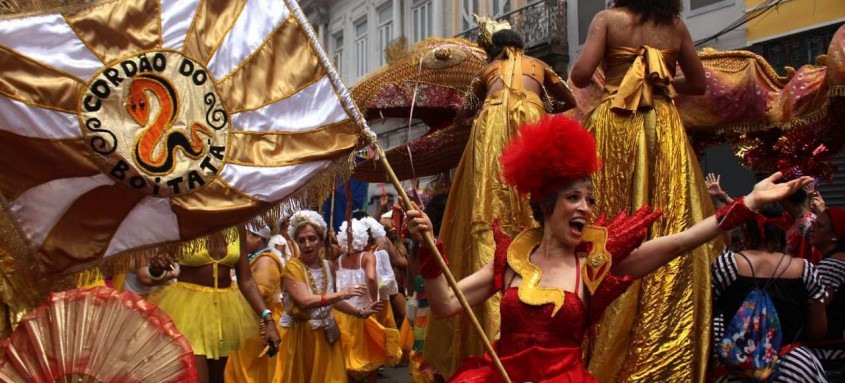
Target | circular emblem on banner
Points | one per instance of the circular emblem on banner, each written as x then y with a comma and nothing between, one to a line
156,122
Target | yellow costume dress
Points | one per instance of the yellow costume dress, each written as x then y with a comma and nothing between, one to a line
308,356
658,330
245,365
367,344
214,320
478,196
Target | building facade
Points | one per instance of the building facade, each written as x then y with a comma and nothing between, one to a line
355,33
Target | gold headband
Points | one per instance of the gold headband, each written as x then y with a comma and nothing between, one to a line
487,27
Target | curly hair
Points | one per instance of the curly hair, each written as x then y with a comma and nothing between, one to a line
502,39
360,237
661,11
307,217
376,229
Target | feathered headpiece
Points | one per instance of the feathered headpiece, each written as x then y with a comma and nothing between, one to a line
548,154
487,27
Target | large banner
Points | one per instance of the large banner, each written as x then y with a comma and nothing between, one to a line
132,124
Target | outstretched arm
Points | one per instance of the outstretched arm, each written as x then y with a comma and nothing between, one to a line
477,287
655,253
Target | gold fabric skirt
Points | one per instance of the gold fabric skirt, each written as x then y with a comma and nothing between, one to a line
658,331
214,322
367,345
309,358
477,197
244,366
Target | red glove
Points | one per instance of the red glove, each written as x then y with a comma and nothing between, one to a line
429,267
734,214
625,234
500,256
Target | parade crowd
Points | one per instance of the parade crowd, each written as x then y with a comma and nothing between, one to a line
294,301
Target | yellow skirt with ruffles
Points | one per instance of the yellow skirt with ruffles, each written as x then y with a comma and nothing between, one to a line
214,322
245,365
309,358
367,345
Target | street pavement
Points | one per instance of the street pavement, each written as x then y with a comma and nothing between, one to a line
394,375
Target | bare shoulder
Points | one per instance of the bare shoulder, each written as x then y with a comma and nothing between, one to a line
680,26
795,267
369,256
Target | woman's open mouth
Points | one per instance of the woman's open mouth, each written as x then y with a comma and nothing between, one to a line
577,225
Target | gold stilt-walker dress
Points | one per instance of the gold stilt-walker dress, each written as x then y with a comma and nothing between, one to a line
478,196
658,331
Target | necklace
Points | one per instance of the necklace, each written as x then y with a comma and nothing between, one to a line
313,283
257,253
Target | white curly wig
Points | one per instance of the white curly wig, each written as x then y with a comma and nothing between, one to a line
360,238
277,239
376,228
307,217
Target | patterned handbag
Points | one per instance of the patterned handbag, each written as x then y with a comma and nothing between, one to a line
330,328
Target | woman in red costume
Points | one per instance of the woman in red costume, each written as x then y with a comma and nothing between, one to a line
551,293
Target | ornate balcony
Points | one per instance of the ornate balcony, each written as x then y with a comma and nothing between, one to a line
543,26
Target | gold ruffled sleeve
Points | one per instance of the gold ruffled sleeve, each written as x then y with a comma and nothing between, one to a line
636,90
295,271
268,278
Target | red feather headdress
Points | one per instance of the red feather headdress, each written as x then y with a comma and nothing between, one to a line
547,155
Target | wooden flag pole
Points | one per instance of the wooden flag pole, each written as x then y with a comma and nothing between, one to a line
429,241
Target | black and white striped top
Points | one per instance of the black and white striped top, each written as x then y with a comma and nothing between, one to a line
832,272
724,272
789,295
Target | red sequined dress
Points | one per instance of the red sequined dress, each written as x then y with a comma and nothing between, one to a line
542,329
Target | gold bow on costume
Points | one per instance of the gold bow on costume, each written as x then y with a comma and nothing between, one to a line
637,88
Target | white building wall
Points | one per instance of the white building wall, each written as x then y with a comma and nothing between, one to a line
335,18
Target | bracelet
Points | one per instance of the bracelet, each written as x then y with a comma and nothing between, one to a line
323,300
265,314
361,313
156,278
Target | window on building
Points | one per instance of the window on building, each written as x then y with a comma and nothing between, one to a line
587,9
468,7
385,30
421,14
500,7
361,49
337,46
698,6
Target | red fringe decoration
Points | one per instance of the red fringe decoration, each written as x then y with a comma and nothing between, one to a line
547,154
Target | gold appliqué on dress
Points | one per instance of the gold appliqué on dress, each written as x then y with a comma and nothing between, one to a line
599,259
518,258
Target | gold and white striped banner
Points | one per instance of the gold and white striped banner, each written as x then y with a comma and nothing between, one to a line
131,124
